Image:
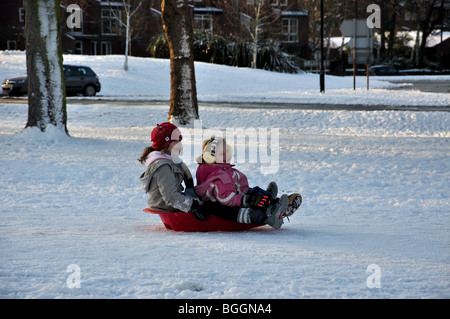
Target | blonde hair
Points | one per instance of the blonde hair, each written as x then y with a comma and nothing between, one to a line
206,150
207,142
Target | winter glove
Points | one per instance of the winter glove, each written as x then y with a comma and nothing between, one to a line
258,201
195,210
190,188
189,183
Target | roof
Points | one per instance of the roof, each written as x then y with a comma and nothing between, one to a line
295,13
207,10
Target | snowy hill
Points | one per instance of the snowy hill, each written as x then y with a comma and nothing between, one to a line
375,221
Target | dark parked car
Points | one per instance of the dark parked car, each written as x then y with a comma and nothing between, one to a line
79,80
383,70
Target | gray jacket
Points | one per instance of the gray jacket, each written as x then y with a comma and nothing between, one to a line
162,181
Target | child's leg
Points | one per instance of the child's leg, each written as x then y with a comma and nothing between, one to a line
222,211
251,215
235,213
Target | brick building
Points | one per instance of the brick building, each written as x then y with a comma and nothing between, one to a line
100,32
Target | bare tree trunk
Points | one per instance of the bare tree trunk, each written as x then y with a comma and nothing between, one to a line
127,25
177,24
426,22
255,35
391,40
127,39
46,89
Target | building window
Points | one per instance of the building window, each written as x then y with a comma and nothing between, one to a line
94,47
410,16
111,21
203,22
273,3
78,47
281,3
10,44
290,30
21,15
106,47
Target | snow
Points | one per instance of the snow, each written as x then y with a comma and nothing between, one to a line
432,40
374,222
149,79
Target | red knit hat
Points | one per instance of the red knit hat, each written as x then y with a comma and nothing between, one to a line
162,135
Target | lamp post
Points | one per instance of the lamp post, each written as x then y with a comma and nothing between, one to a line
322,69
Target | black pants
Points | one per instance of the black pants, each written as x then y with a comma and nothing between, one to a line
256,215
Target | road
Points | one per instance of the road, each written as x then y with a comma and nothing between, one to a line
432,86
436,86
290,106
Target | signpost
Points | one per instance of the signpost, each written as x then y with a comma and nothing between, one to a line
322,69
362,42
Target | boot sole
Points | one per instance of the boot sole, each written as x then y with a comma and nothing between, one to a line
291,198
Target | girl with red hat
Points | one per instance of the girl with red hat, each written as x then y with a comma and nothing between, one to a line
164,175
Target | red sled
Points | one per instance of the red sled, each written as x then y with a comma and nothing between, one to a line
179,221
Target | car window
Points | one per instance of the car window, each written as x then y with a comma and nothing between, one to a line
67,71
81,71
75,71
89,72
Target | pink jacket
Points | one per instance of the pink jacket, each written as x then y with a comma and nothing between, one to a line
222,183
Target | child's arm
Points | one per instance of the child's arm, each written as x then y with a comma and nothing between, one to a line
224,193
167,184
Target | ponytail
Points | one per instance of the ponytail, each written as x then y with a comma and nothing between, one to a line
144,155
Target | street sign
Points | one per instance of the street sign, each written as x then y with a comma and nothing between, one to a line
361,57
362,43
362,30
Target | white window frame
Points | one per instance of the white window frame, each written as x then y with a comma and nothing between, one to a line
108,17
410,16
199,21
290,36
78,47
11,44
21,14
93,47
105,48
281,3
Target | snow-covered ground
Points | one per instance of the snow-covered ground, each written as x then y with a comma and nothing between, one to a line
375,221
149,79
